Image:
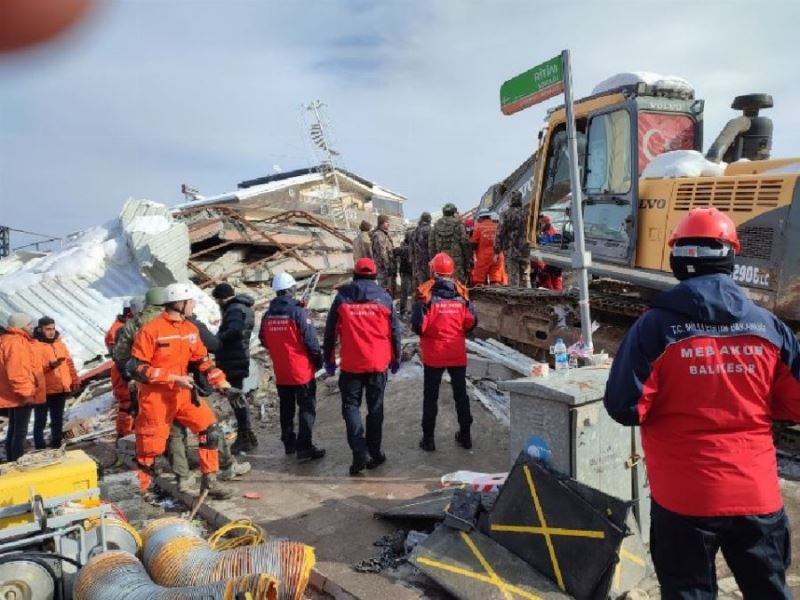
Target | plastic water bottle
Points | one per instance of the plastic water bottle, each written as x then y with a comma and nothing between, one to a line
561,358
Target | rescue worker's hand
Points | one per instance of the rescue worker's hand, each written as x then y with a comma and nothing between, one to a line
330,368
183,381
224,387
54,364
496,258
76,387
394,367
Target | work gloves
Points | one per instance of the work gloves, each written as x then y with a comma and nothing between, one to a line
394,367
330,368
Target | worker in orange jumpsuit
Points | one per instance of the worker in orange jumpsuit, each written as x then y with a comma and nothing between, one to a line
162,352
482,241
119,387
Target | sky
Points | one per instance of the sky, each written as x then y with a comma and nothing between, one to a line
145,95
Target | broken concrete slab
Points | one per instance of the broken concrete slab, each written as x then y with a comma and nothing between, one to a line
479,367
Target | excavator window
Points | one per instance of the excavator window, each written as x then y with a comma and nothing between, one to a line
556,198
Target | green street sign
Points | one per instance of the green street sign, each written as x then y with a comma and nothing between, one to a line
531,87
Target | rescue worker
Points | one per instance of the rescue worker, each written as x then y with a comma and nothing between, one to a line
364,321
291,340
442,318
233,356
403,256
449,235
704,373
512,241
22,383
419,249
161,354
469,225
362,245
61,380
545,276
119,386
488,267
383,255
547,231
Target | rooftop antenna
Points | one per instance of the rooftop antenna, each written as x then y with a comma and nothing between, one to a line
327,157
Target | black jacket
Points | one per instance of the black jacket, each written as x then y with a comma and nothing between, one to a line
238,320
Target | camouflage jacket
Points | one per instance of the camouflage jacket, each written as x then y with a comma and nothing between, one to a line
449,235
419,249
124,342
383,253
362,246
512,235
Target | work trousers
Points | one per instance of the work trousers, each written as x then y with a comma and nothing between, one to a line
122,395
517,269
353,386
388,282
159,407
304,397
55,407
242,413
756,548
430,397
406,284
178,451
17,431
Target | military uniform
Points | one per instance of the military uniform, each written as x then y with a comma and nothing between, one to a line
449,235
383,255
420,253
512,241
403,255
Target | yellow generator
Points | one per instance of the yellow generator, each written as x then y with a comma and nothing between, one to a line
51,523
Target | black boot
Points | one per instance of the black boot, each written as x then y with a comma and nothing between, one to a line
251,437
310,454
242,444
427,444
464,438
290,444
359,464
376,461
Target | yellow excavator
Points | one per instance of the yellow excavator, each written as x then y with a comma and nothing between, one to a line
629,213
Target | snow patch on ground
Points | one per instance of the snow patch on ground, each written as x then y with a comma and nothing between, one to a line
682,163
99,405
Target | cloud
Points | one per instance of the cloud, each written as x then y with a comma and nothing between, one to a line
152,95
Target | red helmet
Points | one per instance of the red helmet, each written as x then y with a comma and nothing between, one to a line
442,264
706,223
470,222
544,219
365,266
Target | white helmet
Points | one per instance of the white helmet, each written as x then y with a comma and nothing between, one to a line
283,281
177,292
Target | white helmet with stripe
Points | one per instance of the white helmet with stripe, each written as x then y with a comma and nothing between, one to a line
283,281
177,292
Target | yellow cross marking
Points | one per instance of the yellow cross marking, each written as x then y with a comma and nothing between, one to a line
546,531
623,553
490,577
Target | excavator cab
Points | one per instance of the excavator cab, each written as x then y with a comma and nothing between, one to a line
619,132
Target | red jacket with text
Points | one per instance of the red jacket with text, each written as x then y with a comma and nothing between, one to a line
363,319
704,373
291,340
442,324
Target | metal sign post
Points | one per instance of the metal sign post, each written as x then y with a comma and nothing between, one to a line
531,87
581,260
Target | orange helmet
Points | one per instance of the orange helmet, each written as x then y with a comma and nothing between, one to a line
706,223
442,264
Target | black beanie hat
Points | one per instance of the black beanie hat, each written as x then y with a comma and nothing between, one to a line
685,267
223,290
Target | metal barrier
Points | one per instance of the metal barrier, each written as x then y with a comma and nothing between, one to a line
118,575
176,555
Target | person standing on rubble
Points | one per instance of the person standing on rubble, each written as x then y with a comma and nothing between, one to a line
233,357
163,350
419,249
362,245
442,318
488,267
22,384
291,340
449,235
512,241
403,256
119,386
363,319
383,255
704,373
61,380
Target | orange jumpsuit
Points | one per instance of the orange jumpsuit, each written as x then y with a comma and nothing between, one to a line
163,349
483,237
119,386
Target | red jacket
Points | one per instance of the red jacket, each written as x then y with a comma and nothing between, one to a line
363,318
442,324
704,372
289,337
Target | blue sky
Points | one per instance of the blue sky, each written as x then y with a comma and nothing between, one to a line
146,95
